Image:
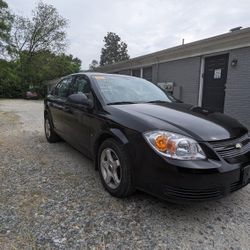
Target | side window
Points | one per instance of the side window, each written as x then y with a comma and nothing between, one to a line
55,90
62,88
82,85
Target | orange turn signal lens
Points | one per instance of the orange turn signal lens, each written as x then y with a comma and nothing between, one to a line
164,144
161,143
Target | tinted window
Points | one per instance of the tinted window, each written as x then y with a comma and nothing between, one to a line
136,72
82,86
55,90
62,88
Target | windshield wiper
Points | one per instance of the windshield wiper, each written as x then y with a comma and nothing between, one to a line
158,101
117,103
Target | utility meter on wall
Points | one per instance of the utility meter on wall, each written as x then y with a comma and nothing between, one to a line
168,86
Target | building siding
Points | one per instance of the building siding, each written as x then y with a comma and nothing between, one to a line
185,74
124,72
148,73
237,97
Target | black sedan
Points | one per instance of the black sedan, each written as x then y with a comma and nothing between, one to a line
142,138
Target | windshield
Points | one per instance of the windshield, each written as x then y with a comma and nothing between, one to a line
123,89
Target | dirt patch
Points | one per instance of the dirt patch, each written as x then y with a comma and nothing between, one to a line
8,121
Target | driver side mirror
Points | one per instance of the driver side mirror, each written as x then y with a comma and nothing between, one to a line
80,99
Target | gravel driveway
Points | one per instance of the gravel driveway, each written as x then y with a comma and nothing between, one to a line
51,197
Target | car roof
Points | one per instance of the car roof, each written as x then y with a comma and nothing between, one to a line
90,74
97,74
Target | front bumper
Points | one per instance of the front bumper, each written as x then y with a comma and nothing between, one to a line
204,186
184,181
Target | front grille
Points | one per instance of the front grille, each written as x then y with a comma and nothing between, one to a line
190,194
198,194
235,186
227,148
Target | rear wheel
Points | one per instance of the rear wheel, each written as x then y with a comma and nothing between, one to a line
115,169
50,134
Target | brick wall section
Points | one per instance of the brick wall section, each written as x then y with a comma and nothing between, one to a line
237,98
185,73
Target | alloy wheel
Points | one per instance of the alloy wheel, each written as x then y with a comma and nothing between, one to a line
110,168
47,128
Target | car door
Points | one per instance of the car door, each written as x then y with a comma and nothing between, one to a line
57,104
77,117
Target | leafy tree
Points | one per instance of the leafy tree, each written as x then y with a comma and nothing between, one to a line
44,31
5,25
10,82
36,47
47,65
93,65
114,50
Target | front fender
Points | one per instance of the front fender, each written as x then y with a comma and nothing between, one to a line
118,134
114,133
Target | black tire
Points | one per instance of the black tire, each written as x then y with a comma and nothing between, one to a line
51,136
126,186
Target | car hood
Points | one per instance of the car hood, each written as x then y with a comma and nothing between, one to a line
194,121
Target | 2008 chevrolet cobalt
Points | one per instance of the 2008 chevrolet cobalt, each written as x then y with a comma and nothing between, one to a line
142,138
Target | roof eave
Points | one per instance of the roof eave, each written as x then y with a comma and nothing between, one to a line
228,41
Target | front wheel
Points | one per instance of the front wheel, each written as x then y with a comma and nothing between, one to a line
50,134
115,169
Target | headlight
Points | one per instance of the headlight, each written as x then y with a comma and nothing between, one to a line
174,145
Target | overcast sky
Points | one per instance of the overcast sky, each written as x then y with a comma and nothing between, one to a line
145,25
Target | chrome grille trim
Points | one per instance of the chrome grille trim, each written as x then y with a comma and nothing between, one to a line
226,143
227,148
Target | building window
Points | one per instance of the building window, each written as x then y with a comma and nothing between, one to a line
136,72
147,73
